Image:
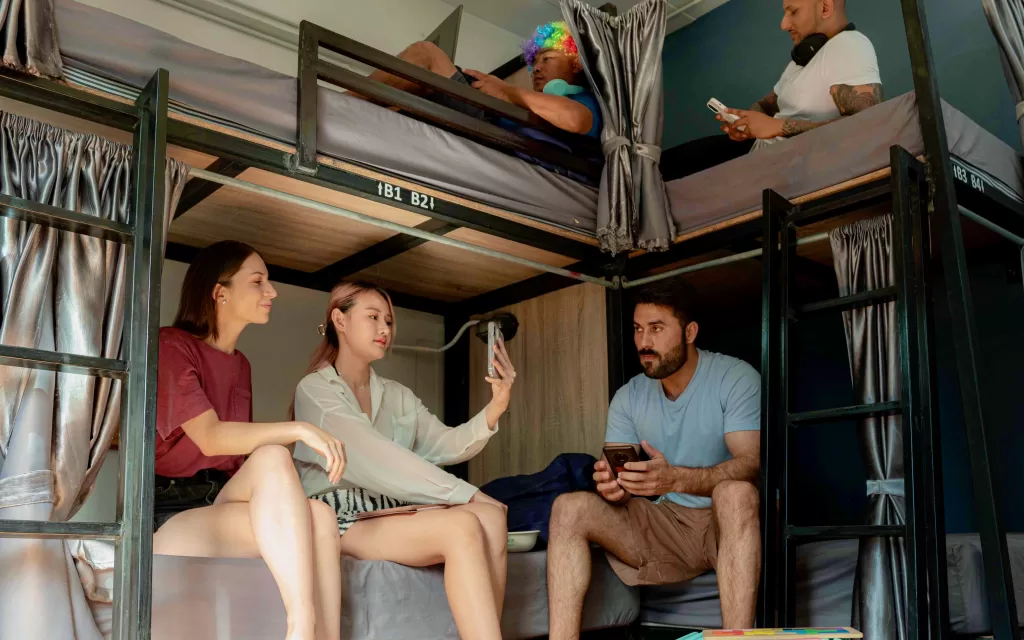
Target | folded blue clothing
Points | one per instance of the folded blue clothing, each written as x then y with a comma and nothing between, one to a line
529,497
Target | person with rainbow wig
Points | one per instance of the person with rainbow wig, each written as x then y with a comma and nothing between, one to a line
561,94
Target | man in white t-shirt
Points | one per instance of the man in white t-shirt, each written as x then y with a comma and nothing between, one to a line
834,74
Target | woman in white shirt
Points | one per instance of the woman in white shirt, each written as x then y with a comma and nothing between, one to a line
394,446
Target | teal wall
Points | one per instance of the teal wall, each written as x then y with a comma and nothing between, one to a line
737,52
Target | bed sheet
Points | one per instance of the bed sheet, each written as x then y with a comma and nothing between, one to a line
349,129
828,156
826,571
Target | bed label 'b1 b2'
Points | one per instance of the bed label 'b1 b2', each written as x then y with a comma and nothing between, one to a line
405,196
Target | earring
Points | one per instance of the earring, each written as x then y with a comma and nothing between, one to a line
223,301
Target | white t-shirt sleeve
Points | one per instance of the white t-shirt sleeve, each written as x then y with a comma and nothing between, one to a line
850,59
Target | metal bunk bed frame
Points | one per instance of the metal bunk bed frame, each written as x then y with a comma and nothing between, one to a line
155,130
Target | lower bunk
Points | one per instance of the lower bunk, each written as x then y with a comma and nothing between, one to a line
213,598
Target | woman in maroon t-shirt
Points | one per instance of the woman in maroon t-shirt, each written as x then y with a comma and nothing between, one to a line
212,500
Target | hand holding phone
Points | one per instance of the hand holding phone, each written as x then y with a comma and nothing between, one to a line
722,110
493,338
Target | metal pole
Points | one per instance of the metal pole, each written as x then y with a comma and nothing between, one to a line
947,234
717,262
384,224
991,226
133,580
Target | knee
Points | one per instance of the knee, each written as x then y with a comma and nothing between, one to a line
464,532
325,524
424,54
736,500
495,525
570,512
273,457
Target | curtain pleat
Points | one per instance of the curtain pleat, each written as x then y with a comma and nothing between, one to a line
29,31
863,259
1006,18
622,59
66,292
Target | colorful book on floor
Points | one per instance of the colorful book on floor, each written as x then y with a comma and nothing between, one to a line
789,633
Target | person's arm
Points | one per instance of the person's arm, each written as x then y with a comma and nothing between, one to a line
657,477
562,112
440,444
768,105
849,99
377,463
619,432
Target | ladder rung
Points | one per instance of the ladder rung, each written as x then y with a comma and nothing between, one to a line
845,303
63,362
844,532
845,413
61,530
44,214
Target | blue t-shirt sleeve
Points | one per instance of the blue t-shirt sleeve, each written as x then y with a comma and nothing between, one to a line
621,427
741,398
588,100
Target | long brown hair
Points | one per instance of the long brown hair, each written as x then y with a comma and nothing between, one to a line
216,264
343,297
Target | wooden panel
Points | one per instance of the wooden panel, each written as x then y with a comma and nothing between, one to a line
287,235
451,274
560,399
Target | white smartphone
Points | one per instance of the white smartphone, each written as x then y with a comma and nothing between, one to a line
493,337
720,109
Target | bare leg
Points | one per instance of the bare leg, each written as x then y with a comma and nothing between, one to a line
327,564
736,506
577,519
495,524
453,537
422,54
261,512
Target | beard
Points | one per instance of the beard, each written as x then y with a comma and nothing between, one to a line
665,365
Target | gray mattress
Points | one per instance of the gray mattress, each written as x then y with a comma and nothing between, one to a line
211,599
265,101
824,592
844,150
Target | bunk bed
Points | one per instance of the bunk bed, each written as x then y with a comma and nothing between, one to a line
239,122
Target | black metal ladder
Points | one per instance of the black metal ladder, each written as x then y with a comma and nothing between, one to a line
923,527
144,237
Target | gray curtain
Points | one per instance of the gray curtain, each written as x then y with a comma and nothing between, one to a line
1006,17
863,261
29,29
622,58
63,291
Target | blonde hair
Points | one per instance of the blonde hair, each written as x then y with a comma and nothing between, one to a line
343,298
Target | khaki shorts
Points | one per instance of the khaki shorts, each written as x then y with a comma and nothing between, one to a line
674,543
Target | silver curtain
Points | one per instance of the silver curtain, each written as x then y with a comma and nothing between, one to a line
29,29
863,261
1006,17
622,58
63,291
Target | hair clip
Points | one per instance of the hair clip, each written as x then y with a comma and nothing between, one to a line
322,330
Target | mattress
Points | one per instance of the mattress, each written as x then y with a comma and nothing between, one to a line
828,156
214,598
826,571
257,99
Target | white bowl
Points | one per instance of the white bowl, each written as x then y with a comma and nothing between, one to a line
521,541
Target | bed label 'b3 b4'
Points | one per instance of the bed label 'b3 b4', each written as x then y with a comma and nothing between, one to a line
968,177
405,196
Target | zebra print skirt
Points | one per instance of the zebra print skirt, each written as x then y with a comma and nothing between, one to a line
348,503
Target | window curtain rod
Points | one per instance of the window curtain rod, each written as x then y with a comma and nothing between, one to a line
384,224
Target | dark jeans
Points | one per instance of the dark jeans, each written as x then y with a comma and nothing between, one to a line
171,496
700,154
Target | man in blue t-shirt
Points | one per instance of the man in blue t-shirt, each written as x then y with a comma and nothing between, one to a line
697,417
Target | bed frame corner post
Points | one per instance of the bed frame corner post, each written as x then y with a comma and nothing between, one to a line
309,47
616,326
946,234
133,579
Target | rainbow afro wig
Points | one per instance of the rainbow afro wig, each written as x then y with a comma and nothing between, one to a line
553,35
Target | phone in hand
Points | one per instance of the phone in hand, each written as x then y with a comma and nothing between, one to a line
618,456
493,337
721,110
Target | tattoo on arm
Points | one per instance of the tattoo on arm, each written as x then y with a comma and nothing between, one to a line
854,99
768,105
792,128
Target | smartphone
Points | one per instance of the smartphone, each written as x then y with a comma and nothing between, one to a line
493,337
720,109
618,457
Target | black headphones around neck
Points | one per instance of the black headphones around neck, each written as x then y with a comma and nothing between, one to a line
805,51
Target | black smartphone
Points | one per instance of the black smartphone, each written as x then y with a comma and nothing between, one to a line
618,456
